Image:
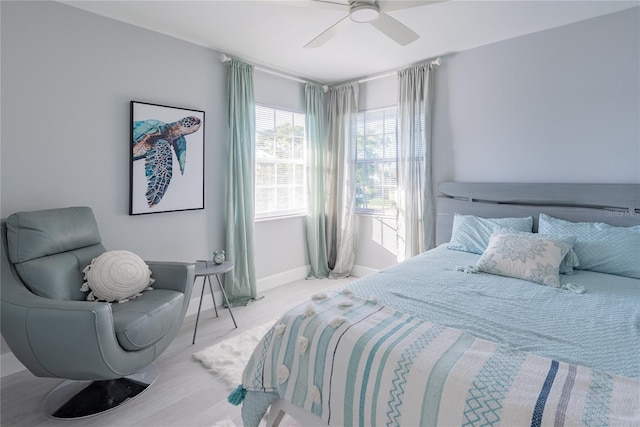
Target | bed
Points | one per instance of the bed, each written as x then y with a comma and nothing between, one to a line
464,334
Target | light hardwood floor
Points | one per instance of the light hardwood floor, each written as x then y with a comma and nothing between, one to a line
184,394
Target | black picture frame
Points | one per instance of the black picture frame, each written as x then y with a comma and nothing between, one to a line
166,166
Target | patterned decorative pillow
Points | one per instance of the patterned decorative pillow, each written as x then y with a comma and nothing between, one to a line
600,247
471,233
524,256
570,260
116,276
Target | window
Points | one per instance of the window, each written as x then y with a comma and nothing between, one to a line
376,162
280,167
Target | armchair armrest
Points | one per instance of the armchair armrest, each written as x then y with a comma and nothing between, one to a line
176,276
22,297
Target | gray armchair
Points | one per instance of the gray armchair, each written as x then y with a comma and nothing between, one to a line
55,332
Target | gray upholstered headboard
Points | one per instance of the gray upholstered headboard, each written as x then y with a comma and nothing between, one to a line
615,204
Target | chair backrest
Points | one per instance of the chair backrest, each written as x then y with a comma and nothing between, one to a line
50,248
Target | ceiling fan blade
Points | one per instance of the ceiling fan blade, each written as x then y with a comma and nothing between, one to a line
389,5
395,30
327,34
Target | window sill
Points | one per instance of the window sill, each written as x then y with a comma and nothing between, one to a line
279,217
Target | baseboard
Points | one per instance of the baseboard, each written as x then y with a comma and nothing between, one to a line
265,284
283,278
361,271
262,285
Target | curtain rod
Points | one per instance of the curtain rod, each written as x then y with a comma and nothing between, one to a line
224,58
436,61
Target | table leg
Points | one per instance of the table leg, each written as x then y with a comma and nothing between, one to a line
224,295
212,297
198,316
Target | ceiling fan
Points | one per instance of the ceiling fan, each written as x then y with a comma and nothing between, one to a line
372,12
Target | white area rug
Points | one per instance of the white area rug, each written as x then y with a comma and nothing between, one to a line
228,358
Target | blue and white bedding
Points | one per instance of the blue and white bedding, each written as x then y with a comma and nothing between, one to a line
351,361
599,328
423,343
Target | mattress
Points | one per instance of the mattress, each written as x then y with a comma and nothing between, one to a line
599,328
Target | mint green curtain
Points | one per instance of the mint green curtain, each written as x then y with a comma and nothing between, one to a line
342,107
416,203
315,128
240,283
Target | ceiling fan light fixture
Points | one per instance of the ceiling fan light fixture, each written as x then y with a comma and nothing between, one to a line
363,13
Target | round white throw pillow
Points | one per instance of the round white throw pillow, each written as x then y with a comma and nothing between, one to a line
116,276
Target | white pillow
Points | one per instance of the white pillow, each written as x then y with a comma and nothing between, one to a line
524,256
116,276
570,260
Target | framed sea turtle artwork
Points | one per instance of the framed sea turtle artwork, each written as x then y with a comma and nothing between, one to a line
167,159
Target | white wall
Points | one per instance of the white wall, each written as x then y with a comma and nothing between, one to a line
67,79
557,106
379,93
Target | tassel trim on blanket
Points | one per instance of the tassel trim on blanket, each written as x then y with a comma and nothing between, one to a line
319,296
237,396
574,287
470,269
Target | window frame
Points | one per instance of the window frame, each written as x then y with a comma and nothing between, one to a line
284,213
379,213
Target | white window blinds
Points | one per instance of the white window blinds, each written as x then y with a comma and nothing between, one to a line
280,167
376,181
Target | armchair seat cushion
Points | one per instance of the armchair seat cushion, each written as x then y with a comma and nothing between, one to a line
144,320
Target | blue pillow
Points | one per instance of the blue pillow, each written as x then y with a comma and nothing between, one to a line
471,233
600,247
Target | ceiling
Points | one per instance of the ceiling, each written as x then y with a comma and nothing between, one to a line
272,33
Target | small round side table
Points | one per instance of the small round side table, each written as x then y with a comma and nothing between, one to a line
206,272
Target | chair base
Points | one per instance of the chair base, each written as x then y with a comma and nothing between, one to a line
82,399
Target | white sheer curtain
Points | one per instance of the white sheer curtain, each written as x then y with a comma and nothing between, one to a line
416,204
341,201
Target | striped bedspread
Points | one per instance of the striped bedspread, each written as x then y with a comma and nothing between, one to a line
354,362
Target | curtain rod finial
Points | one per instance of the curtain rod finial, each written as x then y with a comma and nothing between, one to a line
224,58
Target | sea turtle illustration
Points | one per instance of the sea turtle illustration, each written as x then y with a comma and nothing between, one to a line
152,141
